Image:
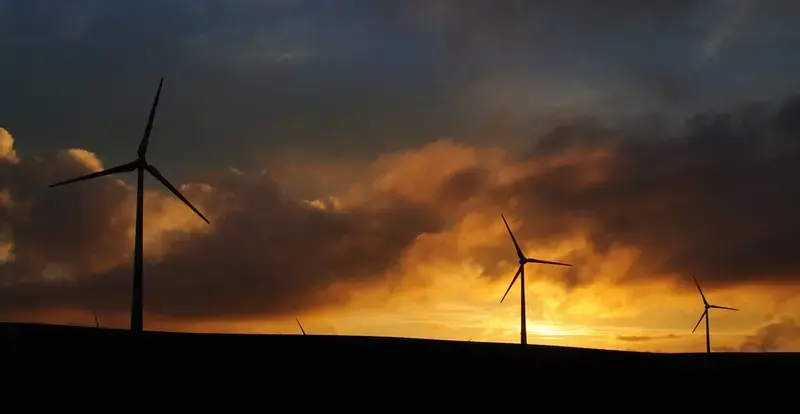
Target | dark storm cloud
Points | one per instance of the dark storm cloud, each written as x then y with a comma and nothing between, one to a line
719,201
354,76
69,234
264,75
266,254
511,17
509,30
466,24
275,255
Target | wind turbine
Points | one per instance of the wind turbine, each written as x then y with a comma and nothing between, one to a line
140,165
96,323
705,315
521,275
301,326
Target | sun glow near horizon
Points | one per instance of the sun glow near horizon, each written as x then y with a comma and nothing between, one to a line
455,300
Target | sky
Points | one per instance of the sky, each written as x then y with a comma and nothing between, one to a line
354,158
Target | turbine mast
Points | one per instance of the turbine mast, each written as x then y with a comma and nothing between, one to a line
137,297
523,329
708,333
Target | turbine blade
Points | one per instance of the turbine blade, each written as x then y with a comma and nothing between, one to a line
513,239
149,128
519,270
722,307
153,170
546,262
705,314
700,290
113,170
301,326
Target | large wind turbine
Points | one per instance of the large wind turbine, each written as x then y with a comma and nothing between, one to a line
139,165
705,315
521,275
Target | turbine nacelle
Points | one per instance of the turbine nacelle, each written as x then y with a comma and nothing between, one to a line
139,163
707,305
522,259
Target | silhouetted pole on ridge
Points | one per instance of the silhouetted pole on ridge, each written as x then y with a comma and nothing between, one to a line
300,325
708,334
140,165
706,315
521,275
96,323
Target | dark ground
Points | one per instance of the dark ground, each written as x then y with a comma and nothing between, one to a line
316,369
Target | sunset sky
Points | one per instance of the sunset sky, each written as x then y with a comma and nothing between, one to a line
354,157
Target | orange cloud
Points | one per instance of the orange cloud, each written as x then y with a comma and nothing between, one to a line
7,152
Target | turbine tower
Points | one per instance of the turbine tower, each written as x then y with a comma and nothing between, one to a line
301,326
521,275
705,315
139,165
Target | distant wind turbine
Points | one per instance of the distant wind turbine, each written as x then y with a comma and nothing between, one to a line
301,326
139,165
521,275
705,315
96,323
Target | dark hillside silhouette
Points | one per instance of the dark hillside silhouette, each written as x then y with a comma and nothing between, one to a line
431,371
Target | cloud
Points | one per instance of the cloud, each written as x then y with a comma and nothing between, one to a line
265,254
734,16
69,235
645,338
464,27
479,28
782,335
284,73
716,200
7,152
